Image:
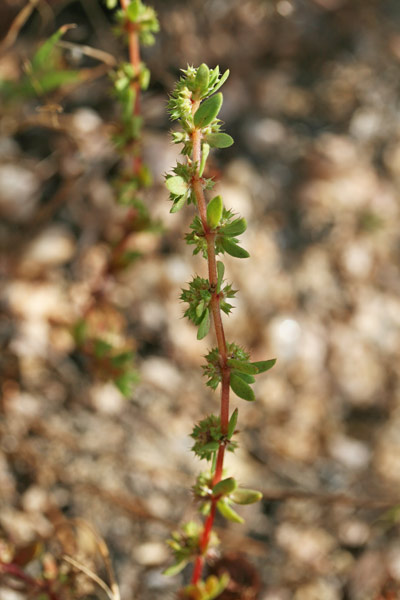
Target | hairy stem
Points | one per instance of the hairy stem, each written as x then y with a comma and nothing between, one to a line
221,342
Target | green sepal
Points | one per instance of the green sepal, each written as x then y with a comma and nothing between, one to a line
245,496
176,185
264,365
220,273
219,140
214,212
204,326
175,568
201,80
237,227
242,366
232,423
207,111
228,512
241,388
233,249
225,487
247,378
178,204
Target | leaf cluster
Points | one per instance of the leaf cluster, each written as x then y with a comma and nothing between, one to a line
199,296
196,85
209,589
242,370
225,493
208,436
143,17
110,362
185,546
227,229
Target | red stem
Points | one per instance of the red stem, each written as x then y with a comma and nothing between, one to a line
221,342
30,582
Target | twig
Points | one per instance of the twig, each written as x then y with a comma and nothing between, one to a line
17,25
90,574
100,55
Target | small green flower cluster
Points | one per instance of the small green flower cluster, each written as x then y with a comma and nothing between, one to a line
198,296
185,545
142,16
193,86
209,437
226,228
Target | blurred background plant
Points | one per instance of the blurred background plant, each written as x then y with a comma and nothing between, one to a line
312,103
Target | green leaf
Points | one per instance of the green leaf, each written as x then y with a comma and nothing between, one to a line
101,348
242,366
232,423
216,586
202,78
210,447
207,111
224,487
144,78
204,326
264,365
228,512
80,331
176,185
121,359
111,4
175,568
241,388
55,79
237,227
178,204
247,378
205,151
233,249
125,382
214,212
220,272
219,140
221,81
42,56
200,309
133,11
245,496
